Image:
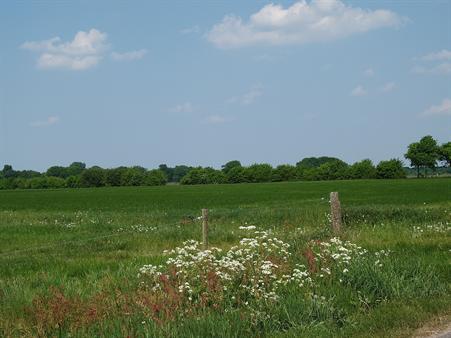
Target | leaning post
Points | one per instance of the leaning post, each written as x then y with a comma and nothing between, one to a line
205,228
335,212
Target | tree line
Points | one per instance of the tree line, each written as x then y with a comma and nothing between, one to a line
423,155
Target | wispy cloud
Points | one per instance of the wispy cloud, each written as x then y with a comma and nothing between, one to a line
302,22
216,119
442,109
368,72
185,107
358,91
436,63
190,30
442,55
388,87
83,52
50,121
129,56
440,69
248,97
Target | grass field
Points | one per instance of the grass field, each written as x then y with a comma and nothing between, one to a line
69,259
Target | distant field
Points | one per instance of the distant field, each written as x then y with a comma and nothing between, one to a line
90,243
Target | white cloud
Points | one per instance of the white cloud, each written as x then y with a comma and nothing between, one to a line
215,119
185,107
50,121
249,97
83,52
444,54
440,63
440,69
444,108
190,30
388,87
358,91
129,56
302,22
368,72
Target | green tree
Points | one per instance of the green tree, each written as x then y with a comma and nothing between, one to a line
73,182
57,171
155,177
444,153
179,172
236,175
230,165
423,154
93,177
8,171
390,169
76,168
134,176
333,170
315,162
284,172
362,169
113,177
259,173
169,172
204,176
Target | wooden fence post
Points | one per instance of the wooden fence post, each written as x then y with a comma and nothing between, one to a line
335,212
205,228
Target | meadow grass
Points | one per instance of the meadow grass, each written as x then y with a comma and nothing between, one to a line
69,258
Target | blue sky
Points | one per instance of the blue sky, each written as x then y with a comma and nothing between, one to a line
116,83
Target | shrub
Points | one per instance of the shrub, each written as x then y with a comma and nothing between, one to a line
390,169
284,172
155,177
259,173
93,177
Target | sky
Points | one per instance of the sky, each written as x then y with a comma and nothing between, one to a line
115,83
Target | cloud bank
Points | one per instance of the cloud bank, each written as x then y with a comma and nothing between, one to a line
442,109
302,22
50,121
84,51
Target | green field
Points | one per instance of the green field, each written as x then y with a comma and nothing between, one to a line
69,258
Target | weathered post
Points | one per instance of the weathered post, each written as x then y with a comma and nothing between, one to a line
205,228
335,212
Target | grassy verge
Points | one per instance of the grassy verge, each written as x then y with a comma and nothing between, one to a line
70,258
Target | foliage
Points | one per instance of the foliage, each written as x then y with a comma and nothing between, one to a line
204,176
362,170
236,175
230,165
258,173
315,162
445,153
75,169
332,170
390,169
93,177
284,172
423,154
155,177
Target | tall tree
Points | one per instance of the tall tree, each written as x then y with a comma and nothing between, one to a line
424,153
230,165
445,153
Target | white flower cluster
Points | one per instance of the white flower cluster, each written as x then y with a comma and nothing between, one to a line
441,227
253,270
137,228
338,255
250,227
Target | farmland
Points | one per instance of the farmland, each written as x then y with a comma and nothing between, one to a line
69,258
